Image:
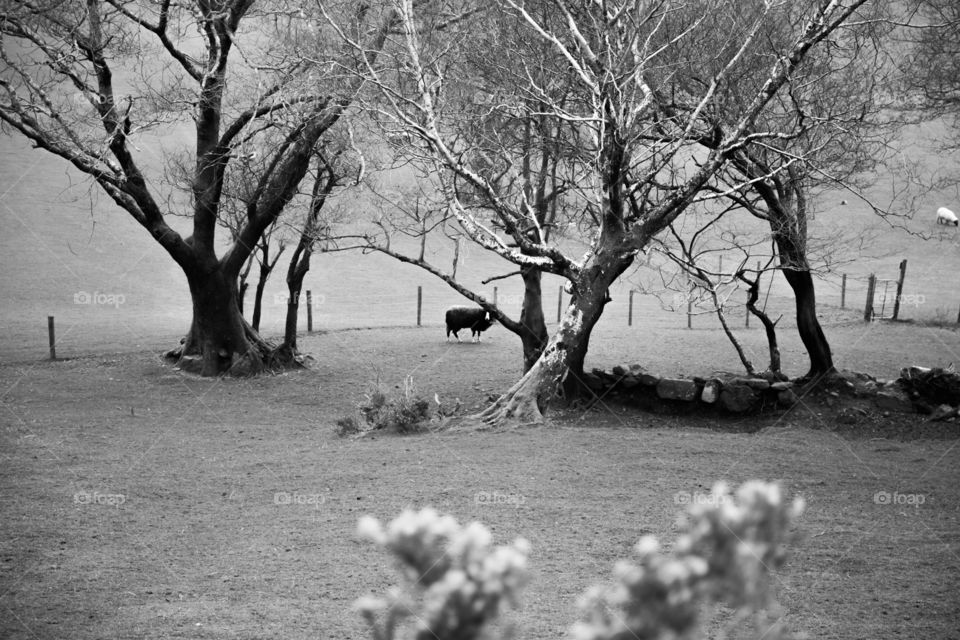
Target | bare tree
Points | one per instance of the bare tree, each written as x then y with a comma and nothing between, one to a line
930,60
237,71
418,215
315,233
618,92
519,148
238,194
697,280
833,131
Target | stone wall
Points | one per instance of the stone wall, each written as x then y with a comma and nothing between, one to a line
634,385
934,392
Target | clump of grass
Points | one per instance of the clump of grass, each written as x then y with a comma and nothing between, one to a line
406,412
347,426
943,319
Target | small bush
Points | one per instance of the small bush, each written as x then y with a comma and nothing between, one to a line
405,413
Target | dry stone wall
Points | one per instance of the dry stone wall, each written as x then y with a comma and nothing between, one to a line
934,392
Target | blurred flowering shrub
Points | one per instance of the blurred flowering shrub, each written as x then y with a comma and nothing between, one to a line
457,580
726,555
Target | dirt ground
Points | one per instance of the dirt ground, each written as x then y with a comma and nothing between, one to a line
140,502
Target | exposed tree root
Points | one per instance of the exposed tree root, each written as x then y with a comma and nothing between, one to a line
260,356
821,380
510,411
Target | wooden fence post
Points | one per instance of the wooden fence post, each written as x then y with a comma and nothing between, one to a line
494,296
309,311
843,292
53,340
630,310
903,275
419,304
559,303
868,309
689,312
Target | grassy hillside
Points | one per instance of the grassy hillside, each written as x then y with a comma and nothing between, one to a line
66,242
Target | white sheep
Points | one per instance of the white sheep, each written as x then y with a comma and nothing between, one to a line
945,216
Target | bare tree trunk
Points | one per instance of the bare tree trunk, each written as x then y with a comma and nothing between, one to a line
558,372
258,297
722,317
808,326
796,270
525,402
297,272
219,341
534,333
266,268
242,291
327,178
573,383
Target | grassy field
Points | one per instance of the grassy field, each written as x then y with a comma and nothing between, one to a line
199,548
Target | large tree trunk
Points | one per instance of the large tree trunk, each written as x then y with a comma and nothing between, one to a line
796,269
808,326
534,333
573,385
557,373
219,341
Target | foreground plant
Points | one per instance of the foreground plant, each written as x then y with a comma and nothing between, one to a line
457,581
726,556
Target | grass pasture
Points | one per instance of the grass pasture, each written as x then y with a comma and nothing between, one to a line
199,548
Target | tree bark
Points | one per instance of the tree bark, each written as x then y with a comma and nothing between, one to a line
545,381
533,335
220,341
790,235
243,284
296,273
258,296
266,268
573,386
808,326
558,372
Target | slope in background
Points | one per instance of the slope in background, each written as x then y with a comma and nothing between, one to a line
70,252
